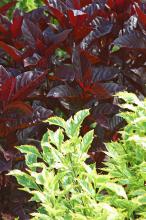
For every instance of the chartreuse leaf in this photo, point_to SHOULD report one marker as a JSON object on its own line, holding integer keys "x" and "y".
{"x": 115, "y": 48}
{"x": 28, "y": 149}
{"x": 142, "y": 199}
{"x": 57, "y": 137}
{"x": 142, "y": 170}
{"x": 109, "y": 212}
{"x": 24, "y": 179}
{"x": 130, "y": 98}
{"x": 30, "y": 160}
{"x": 80, "y": 116}
{"x": 101, "y": 180}
{"x": 118, "y": 189}
{"x": 87, "y": 141}
{"x": 38, "y": 196}
{"x": 45, "y": 139}
{"x": 72, "y": 127}
{"x": 40, "y": 216}
{"x": 56, "y": 121}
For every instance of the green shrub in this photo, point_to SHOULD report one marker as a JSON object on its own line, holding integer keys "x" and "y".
{"x": 25, "y": 5}
{"x": 67, "y": 188}
{"x": 28, "y": 5}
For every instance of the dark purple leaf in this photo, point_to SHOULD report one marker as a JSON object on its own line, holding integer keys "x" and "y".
{"x": 115, "y": 123}
{"x": 27, "y": 82}
{"x": 77, "y": 17}
{"x": 13, "y": 52}
{"x": 76, "y": 61}
{"x": 7, "y": 90}
{"x": 31, "y": 32}
{"x": 5, "y": 165}
{"x": 37, "y": 15}
{"x": 65, "y": 73}
{"x": 62, "y": 91}
{"x": 105, "y": 73}
{"x": 113, "y": 87}
{"x": 32, "y": 61}
{"x": 4, "y": 75}
{"x": 131, "y": 40}
{"x": 16, "y": 24}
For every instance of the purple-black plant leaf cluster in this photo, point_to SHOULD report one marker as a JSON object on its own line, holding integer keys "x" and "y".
{"x": 63, "y": 57}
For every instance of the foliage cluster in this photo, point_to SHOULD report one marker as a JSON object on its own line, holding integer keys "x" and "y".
{"x": 60, "y": 58}
{"x": 28, "y": 5}
{"x": 65, "y": 187}
{"x": 24, "y": 5}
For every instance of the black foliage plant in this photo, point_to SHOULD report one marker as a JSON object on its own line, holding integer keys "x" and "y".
{"x": 61, "y": 58}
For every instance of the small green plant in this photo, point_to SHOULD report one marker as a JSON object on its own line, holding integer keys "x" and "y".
{"x": 25, "y": 5}
{"x": 66, "y": 188}
{"x": 28, "y": 5}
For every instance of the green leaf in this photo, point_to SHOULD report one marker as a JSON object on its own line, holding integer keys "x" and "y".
{"x": 139, "y": 140}
{"x": 93, "y": 125}
{"x": 30, "y": 160}
{"x": 80, "y": 116}
{"x": 78, "y": 216}
{"x": 39, "y": 196}
{"x": 28, "y": 149}
{"x": 24, "y": 179}
{"x": 45, "y": 138}
{"x": 57, "y": 137}
{"x": 142, "y": 199}
{"x": 40, "y": 216}
{"x": 118, "y": 189}
{"x": 128, "y": 106}
{"x": 86, "y": 141}
{"x": 87, "y": 187}
{"x": 115, "y": 48}
{"x": 107, "y": 212}
{"x": 142, "y": 170}
{"x": 56, "y": 121}
{"x": 72, "y": 126}
{"x": 129, "y": 98}
{"x": 101, "y": 179}
{"x": 39, "y": 179}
